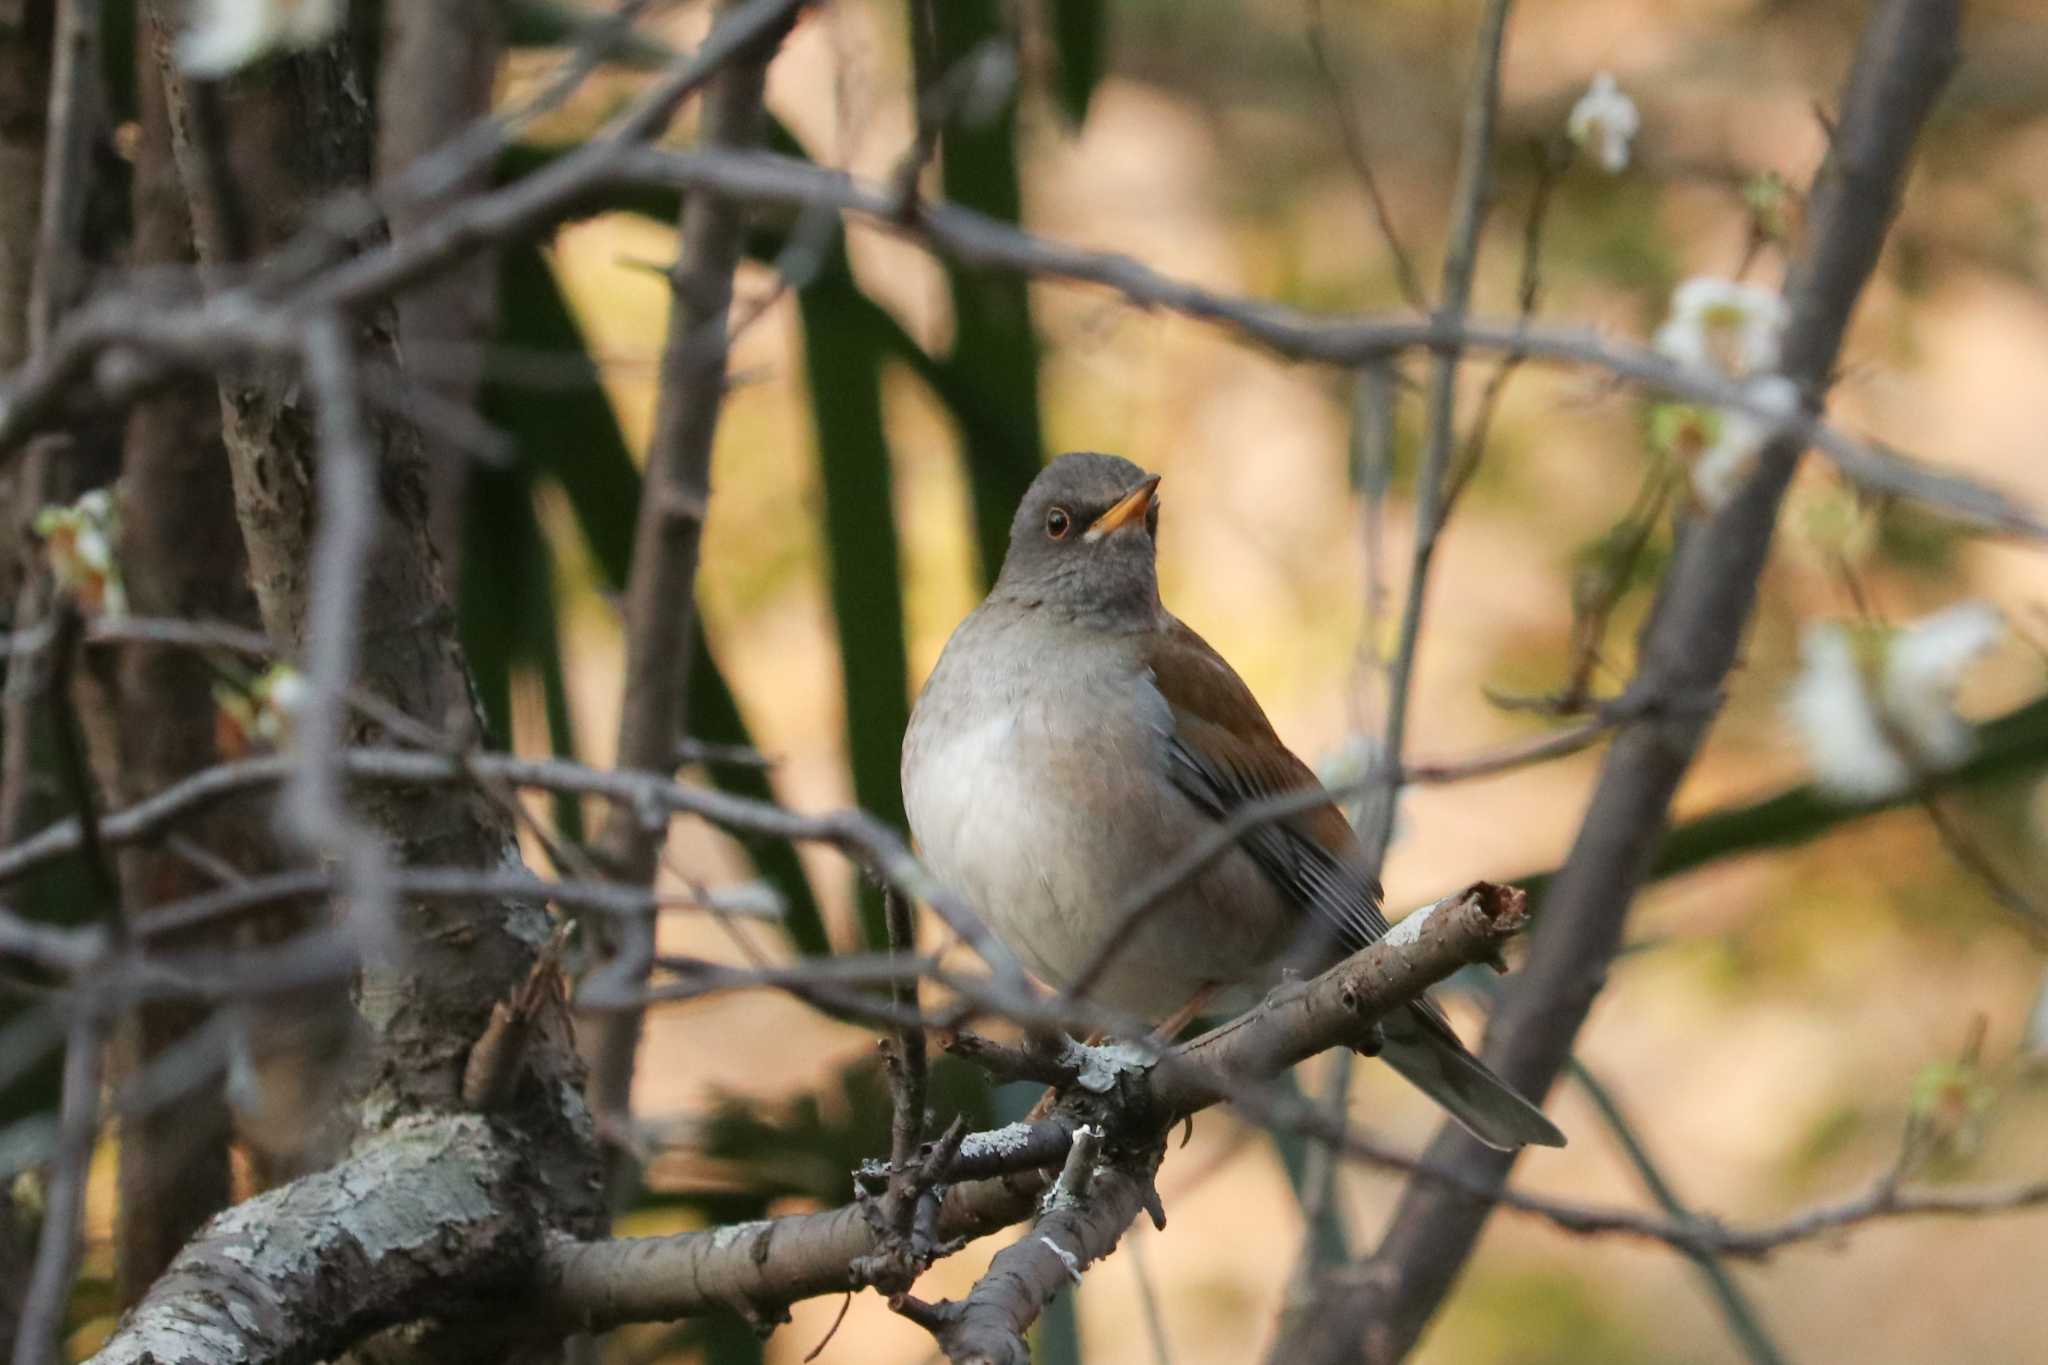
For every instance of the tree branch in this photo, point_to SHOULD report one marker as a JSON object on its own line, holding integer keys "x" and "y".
{"x": 1907, "y": 51}
{"x": 305, "y": 1271}
{"x": 1085, "y": 1215}
{"x": 661, "y": 606}
{"x": 757, "y": 1268}
{"x": 236, "y": 324}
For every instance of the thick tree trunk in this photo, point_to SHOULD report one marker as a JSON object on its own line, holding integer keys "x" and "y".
{"x": 440, "y": 60}
{"x": 257, "y": 154}
{"x": 24, "y": 95}
{"x": 182, "y": 555}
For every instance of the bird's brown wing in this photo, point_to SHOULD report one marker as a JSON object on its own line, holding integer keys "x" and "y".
{"x": 1225, "y": 754}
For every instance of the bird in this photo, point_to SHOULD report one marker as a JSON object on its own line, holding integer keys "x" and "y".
{"x": 1075, "y": 737}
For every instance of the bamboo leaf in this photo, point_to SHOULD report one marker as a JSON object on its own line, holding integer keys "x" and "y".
{"x": 994, "y": 361}
{"x": 843, "y": 361}
{"x": 551, "y": 23}
{"x": 1080, "y": 36}
{"x": 2013, "y": 745}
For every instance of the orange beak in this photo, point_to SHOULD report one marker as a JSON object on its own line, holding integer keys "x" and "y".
{"x": 1130, "y": 508}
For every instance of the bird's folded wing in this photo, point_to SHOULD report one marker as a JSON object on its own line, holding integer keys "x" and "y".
{"x": 1225, "y": 754}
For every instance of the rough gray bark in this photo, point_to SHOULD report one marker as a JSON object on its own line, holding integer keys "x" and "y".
{"x": 988, "y": 1327}
{"x": 298, "y": 130}
{"x": 454, "y": 1217}
{"x": 301, "y": 132}
{"x": 440, "y": 59}
{"x": 24, "y": 96}
{"x": 181, "y": 553}
{"x": 1688, "y": 646}
{"x": 24, "y": 103}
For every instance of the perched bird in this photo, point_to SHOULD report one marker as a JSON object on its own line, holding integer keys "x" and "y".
{"x": 1076, "y": 737}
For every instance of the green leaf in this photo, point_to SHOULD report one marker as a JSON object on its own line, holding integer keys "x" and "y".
{"x": 117, "y": 58}
{"x": 1056, "y": 1340}
{"x": 550, "y": 23}
{"x": 2013, "y": 745}
{"x": 507, "y": 615}
{"x": 713, "y": 716}
{"x": 498, "y": 536}
{"x": 1080, "y": 35}
{"x": 843, "y": 361}
{"x": 810, "y": 1146}
{"x": 994, "y": 361}
{"x": 566, "y": 430}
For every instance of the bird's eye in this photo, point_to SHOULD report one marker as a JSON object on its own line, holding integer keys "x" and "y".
{"x": 1058, "y": 523}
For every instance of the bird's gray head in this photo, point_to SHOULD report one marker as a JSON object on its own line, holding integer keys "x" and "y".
{"x": 1082, "y": 542}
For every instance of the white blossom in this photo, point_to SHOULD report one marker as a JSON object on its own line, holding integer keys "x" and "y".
{"x": 80, "y": 544}
{"x": 1719, "y": 325}
{"x": 1604, "y": 122}
{"x": 1923, "y": 671}
{"x": 1728, "y": 461}
{"x": 1877, "y": 710}
{"x": 226, "y": 35}
{"x": 262, "y": 714}
{"x": 2035, "y": 1038}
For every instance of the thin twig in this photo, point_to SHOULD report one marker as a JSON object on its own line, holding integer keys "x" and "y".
{"x": 1361, "y": 161}
{"x": 347, "y": 485}
{"x": 1691, "y": 641}
{"x": 57, "y": 1249}
{"x": 668, "y": 531}
{"x": 235, "y": 325}
{"x": 1973, "y": 858}
{"x": 1744, "y": 1322}
{"x": 907, "y": 1072}
{"x": 75, "y": 771}
{"x": 1468, "y": 216}
{"x": 1548, "y": 165}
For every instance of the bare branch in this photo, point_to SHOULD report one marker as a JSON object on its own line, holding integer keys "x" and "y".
{"x": 49, "y": 1288}
{"x": 1361, "y": 161}
{"x": 1086, "y": 1213}
{"x": 1745, "y": 1324}
{"x": 306, "y": 1270}
{"x": 1461, "y": 258}
{"x": 236, "y": 324}
{"x": 1690, "y": 642}
{"x": 661, "y": 610}
{"x": 758, "y": 1268}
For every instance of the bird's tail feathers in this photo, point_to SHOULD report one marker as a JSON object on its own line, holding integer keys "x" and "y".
{"x": 1435, "y": 1063}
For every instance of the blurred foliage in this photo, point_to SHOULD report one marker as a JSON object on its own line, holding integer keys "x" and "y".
{"x": 2013, "y": 745}
{"x": 809, "y": 1147}
{"x": 994, "y": 358}
{"x": 567, "y": 435}
{"x": 1541, "y": 1317}
{"x": 843, "y": 355}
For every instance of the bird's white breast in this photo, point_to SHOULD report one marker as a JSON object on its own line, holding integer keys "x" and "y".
{"x": 1020, "y": 803}
{"x": 1035, "y": 776}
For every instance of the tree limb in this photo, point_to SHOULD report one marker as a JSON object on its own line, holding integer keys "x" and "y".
{"x": 661, "y": 604}
{"x": 1690, "y": 642}
{"x": 305, "y": 1271}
